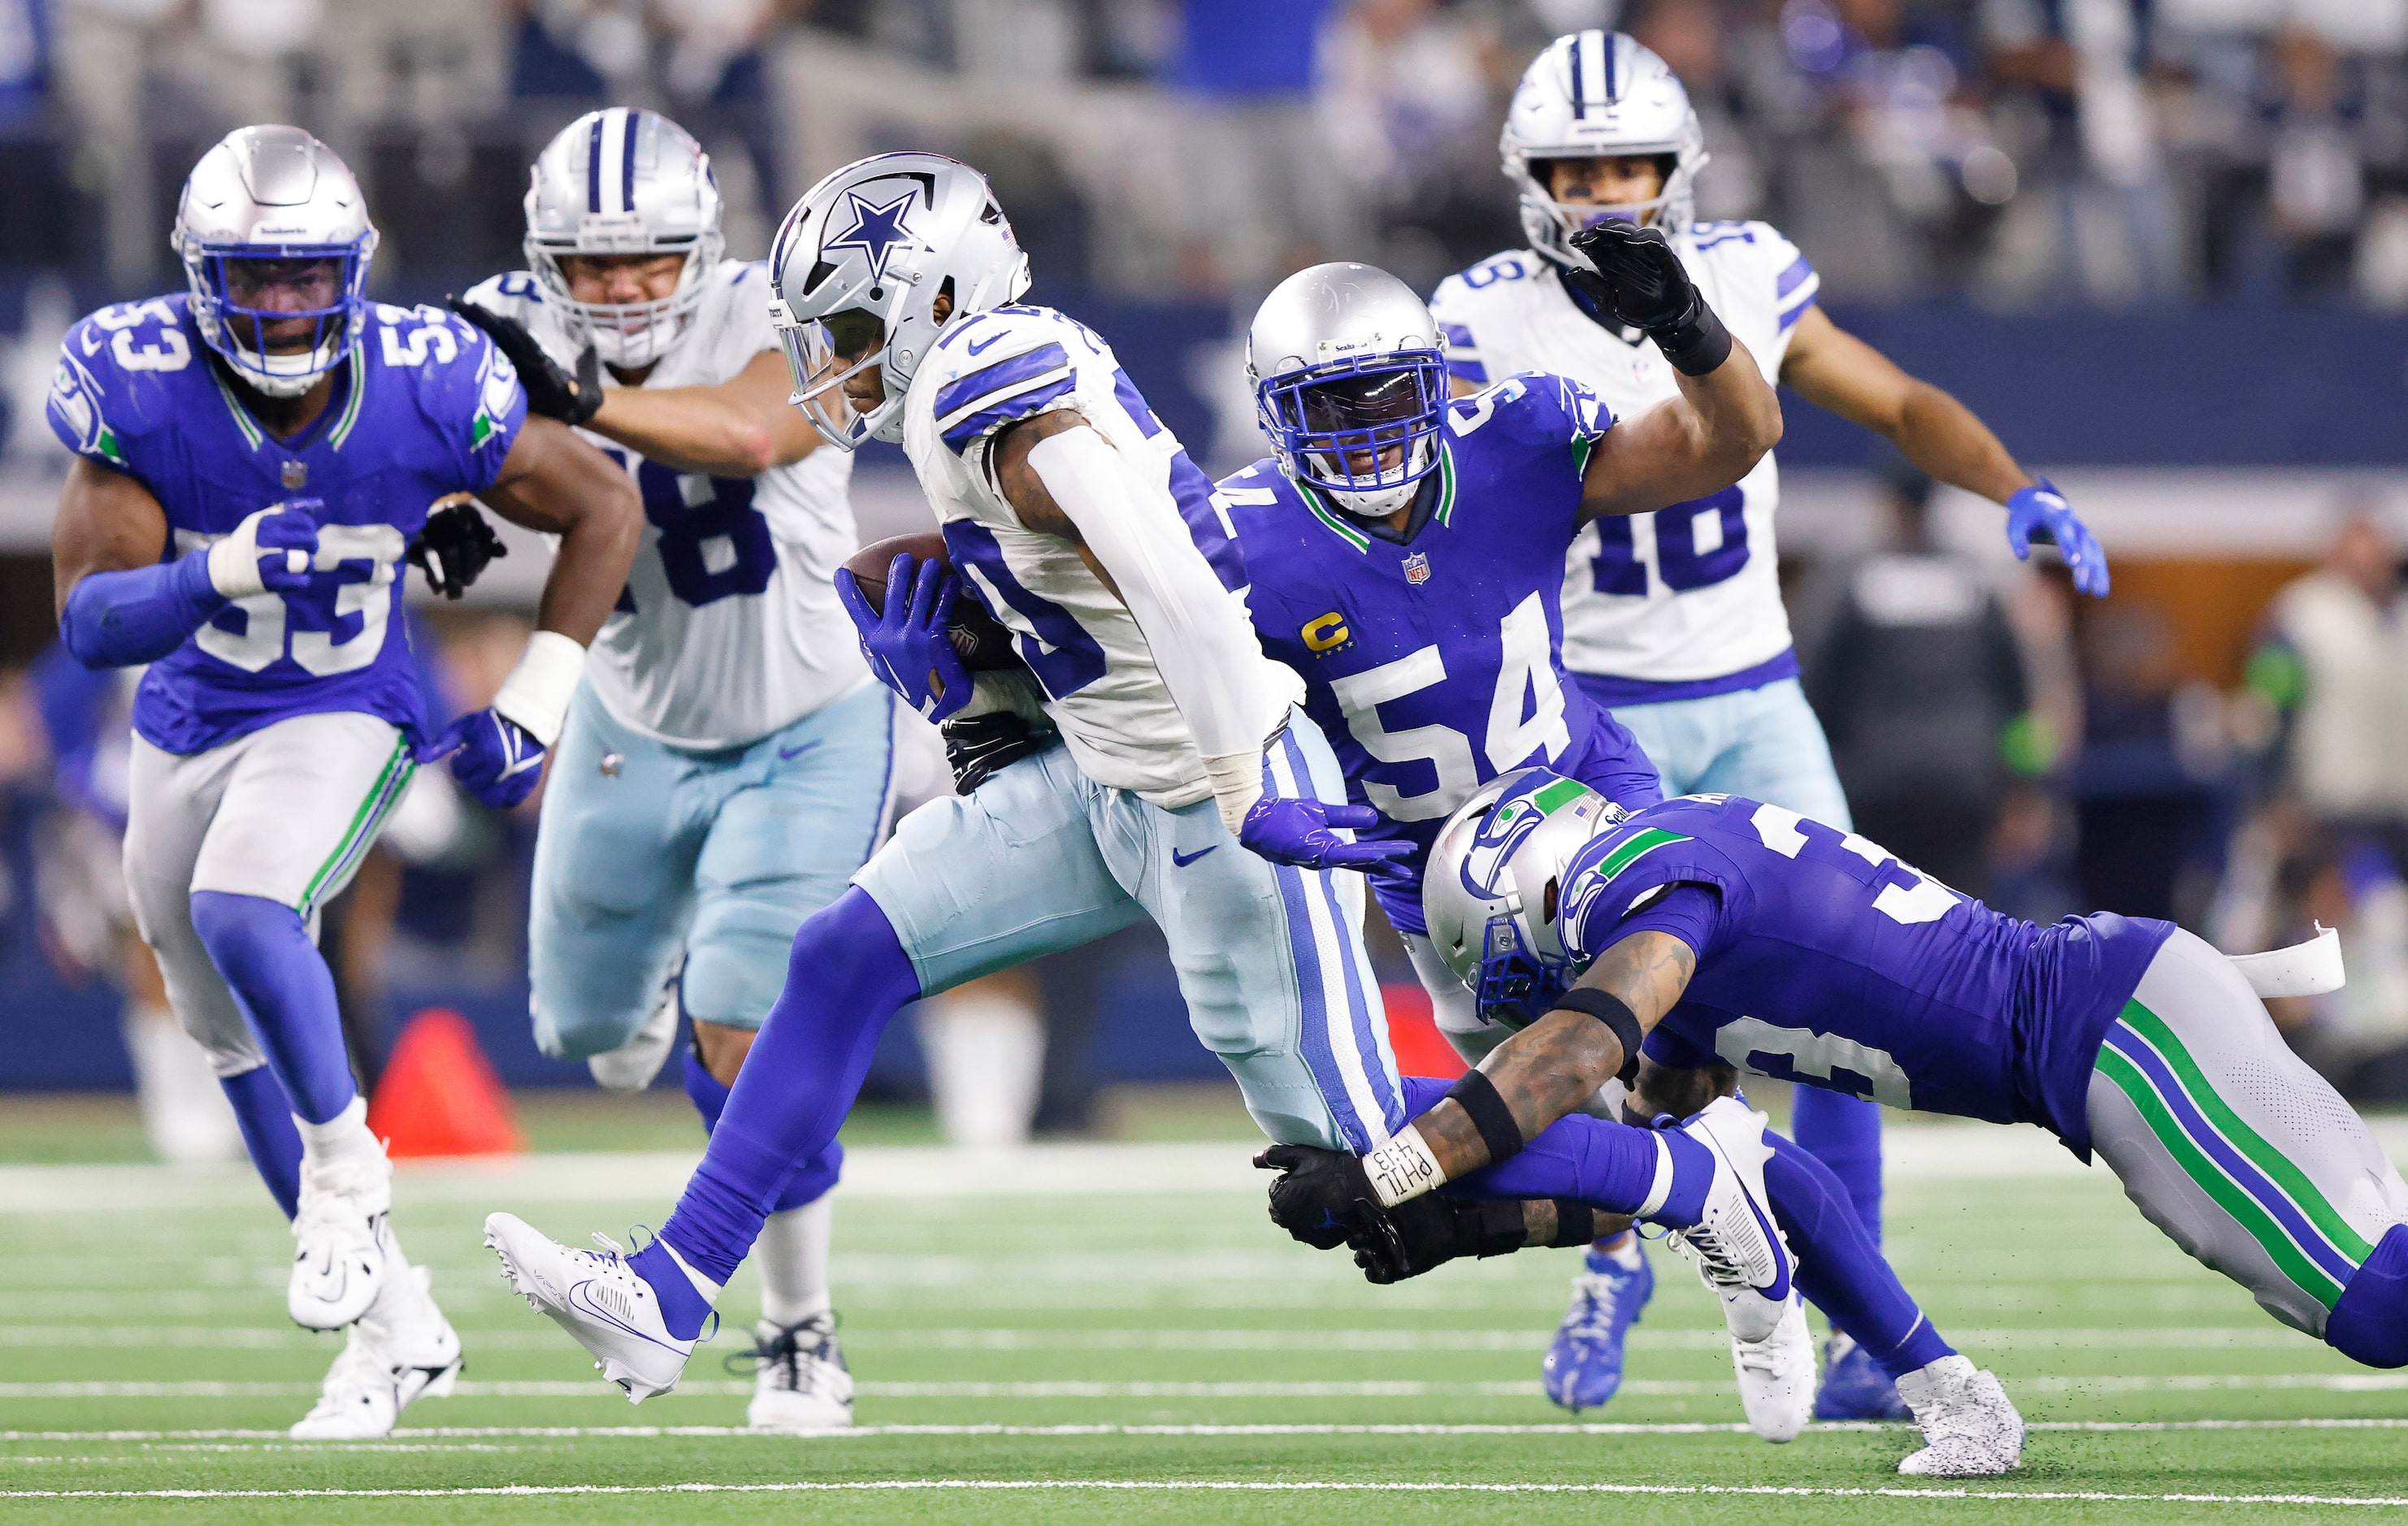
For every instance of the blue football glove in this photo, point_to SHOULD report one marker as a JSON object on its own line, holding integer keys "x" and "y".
{"x": 268, "y": 552}
{"x": 910, "y": 646}
{"x": 2041, "y": 507}
{"x": 493, "y": 756}
{"x": 1304, "y": 833}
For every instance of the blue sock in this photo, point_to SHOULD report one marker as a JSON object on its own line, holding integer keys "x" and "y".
{"x": 809, "y": 1185}
{"x": 265, "y": 1118}
{"x": 285, "y": 990}
{"x": 1840, "y": 1269}
{"x": 1606, "y": 1165}
{"x": 2369, "y": 1323}
{"x": 683, "y": 1306}
{"x": 847, "y": 977}
{"x": 1844, "y": 1134}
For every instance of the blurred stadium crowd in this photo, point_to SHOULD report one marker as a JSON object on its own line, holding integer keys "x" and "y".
{"x": 2009, "y": 155}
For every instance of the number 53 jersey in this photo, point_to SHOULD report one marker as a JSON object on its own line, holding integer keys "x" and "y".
{"x": 1829, "y": 962}
{"x": 730, "y": 628}
{"x": 422, "y": 406}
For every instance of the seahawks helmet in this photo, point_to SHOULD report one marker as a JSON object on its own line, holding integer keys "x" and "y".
{"x": 1490, "y": 894}
{"x": 881, "y": 239}
{"x": 624, "y": 182}
{"x": 259, "y": 212}
{"x": 1598, "y": 95}
{"x": 1349, "y": 368}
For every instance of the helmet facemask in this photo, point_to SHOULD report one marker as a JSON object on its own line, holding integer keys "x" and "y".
{"x": 630, "y": 335}
{"x": 280, "y": 351}
{"x": 1364, "y": 430}
{"x": 822, "y": 355}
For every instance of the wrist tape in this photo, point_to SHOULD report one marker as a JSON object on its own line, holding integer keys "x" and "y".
{"x": 1477, "y": 1094}
{"x": 1575, "y": 1223}
{"x": 1497, "y": 1228}
{"x": 1402, "y": 1169}
{"x": 1696, "y": 342}
{"x": 535, "y": 697}
{"x": 1615, "y": 1014}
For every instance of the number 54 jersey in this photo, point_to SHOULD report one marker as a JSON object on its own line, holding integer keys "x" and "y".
{"x": 422, "y": 406}
{"x": 729, "y": 626}
{"x": 1829, "y": 962}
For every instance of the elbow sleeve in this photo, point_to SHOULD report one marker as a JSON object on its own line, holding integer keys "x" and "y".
{"x": 123, "y": 619}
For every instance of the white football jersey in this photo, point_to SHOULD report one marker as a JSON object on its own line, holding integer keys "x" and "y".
{"x": 730, "y": 628}
{"x": 1102, "y": 686}
{"x": 1685, "y": 601}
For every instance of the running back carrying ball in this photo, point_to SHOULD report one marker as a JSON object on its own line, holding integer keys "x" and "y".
{"x": 984, "y": 645}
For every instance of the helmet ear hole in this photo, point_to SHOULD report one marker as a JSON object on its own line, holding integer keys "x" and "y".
{"x": 1547, "y": 901}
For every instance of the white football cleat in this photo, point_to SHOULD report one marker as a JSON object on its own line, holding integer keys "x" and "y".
{"x": 632, "y": 1065}
{"x": 1776, "y": 1377}
{"x": 800, "y": 1381}
{"x": 598, "y": 1299}
{"x": 342, "y": 1244}
{"x": 1971, "y": 1429}
{"x": 401, "y": 1350}
{"x": 1738, "y": 1247}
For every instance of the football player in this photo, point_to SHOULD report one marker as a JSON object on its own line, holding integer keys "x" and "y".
{"x": 726, "y": 762}
{"x": 255, "y": 456}
{"x": 1674, "y": 619}
{"x": 1186, "y": 785}
{"x": 1405, "y": 556}
{"x": 1714, "y": 933}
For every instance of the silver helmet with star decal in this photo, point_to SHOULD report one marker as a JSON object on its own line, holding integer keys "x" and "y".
{"x": 624, "y": 182}
{"x": 856, "y": 272}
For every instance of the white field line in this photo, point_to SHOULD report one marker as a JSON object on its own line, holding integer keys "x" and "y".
{"x": 1084, "y": 1389}
{"x": 1189, "y": 1486}
{"x": 408, "y": 1439}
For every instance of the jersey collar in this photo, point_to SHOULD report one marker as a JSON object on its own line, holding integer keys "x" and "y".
{"x": 1434, "y": 502}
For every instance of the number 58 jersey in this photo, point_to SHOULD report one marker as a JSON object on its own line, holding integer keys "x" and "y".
{"x": 729, "y": 626}
{"x": 422, "y": 406}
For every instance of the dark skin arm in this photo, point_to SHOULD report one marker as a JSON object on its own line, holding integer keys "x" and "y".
{"x": 1832, "y": 368}
{"x": 107, "y": 522}
{"x": 555, "y": 482}
{"x": 1686, "y": 447}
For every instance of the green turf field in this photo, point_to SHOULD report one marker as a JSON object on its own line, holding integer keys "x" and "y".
{"x": 1115, "y": 1332}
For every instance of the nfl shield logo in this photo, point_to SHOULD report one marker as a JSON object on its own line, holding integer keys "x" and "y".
{"x": 297, "y": 474}
{"x": 1417, "y": 569}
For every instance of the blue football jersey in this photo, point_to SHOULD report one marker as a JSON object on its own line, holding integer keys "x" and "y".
{"x": 1833, "y": 965}
{"x": 1435, "y": 665}
{"x": 423, "y": 406}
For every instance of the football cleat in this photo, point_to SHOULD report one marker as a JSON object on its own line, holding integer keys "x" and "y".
{"x": 1854, "y": 1388}
{"x": 799, "y": 1379}
{"x": 342, "y": 1244}
{"x": 1971, "y": 1429}
{"x": 1584, "y": 1366}
{"x": 400, "y": 1351}
{"x": 1776, "y": 1377}
{"x": 598, "y": 1299}
{"x": 1738, "y": 1249}
{"x": 632, "y": 1065}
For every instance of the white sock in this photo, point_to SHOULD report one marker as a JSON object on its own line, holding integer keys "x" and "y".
{"x": 793, "y": 1256}
{"x": 703, "y": 1285}
{"x": 342, "y": 1137}
{"x": 985, "y": 1049}
{"x": 1625, "y": 1252}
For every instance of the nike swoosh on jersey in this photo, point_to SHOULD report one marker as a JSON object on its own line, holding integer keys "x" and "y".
{"x": 979, "y": 347}
{"x": 1181, "y": 860}
{"x": 787, "y": 754}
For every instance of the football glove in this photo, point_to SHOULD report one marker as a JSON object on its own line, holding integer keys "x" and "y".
{"x": 551, "y": 391}
{"x": 1305, "y": 834}
{"x": 2041, "y": 512}
{"x": 493, "y": 756}
{"x": 454, "y": 546}
{"x": 1422, "y": 1234}
{"x": 268, "y": 552}
{"x": 1639, "y": 282}
{"x": 910, "y": 646}
{"x": 979, "y": 746}
{"x": 1320, "y": 1196}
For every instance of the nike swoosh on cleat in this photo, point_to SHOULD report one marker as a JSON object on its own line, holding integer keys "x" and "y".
{"x": 592, "y": 1311}
{"x": 1181, "y": 860}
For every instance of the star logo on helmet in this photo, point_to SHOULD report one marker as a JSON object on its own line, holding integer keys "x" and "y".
{"x": 877, "y": 229}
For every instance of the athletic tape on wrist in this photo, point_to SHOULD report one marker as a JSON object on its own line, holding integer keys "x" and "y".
{"x": 1402, "y": 1169}
{"x": 1575, "y": 1224}
{"x": 535, "y": 697}
{"x": 1615, "y": 1014}
{"x": 1696, "y": 344}
{"x": 1499, "y": 1227}
{"x": 1477, "y": 1094}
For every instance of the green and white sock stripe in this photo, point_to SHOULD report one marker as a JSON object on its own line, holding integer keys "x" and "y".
{"x": 381, "y": 797}
{"x": 2263, "y": 1189}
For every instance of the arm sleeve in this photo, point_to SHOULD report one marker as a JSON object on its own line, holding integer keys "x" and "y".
{"x": 1206, "y": 651}
{"x": 121, "y": 618}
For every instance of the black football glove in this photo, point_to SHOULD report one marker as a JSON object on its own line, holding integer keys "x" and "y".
{"x": 1639, "y": 282}
{"x": 552, "y": 392}
{"x": 979, "y": 746}
{"x": 454, "y": 548}
{"x": 1321, "y": 1196}
{"x": 1422, "y": 1234}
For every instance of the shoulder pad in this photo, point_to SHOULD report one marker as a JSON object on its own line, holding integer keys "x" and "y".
{"x": 511, "y": 293}
{"x": 421, "y": 338}
{"x": 1009, "y": 363}
{"x": 110, "y": 385}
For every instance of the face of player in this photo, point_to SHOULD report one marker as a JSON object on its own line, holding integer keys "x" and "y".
{"x": 854, "y": 335}
{"x": 309, "y": 286}
{"x": 1624, "y": 181}
{"x": 620, "y": 281}
{"x": 1383, "y": 404}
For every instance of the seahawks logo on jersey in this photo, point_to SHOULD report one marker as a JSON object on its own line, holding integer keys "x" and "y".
{"x": 74, "y": 398}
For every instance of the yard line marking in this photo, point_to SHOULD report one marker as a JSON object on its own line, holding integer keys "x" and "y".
{"x": 1185, "y": 1486}
{"x": 1558, "y": 1428}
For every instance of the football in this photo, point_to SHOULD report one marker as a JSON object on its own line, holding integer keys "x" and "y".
{"x": 983, "y": 643}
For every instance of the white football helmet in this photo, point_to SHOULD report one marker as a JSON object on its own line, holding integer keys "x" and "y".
{"x": 624, "y": 182}
{"x": 274, "y": 194}
{"x": 1595, "y": 95}
{"x": 1494, "y": 876}
{"x": 883, "y": 237}
{"x": 1347, "y": 362}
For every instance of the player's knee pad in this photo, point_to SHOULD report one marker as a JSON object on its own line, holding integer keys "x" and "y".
{"x": 2369, "y": 1323}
